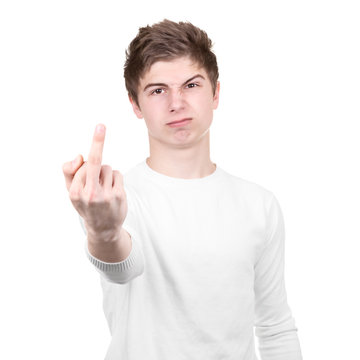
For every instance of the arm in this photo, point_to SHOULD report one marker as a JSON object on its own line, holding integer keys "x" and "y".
{"x": 97, "y": 193}
{"x": 130, "y": 265}
{"x": 274, "y": 324}
{"x": 114, "y": 249}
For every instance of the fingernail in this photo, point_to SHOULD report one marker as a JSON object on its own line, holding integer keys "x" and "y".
{"x": 100, "y": 128}
{"x": 74, "y": 162}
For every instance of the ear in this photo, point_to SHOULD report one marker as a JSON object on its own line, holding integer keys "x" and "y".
{"x": 216, "y": 96}
{"x": 136, "y": 108}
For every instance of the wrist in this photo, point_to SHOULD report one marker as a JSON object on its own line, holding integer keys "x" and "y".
{"x": 103, "y": 237}
{"x": 110, "y": 248}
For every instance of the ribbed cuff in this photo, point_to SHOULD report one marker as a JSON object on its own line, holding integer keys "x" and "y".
{"x": 123, "y": 271}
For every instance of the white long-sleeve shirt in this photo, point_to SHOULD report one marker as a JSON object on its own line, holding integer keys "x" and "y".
{"x": 205, "y": 270}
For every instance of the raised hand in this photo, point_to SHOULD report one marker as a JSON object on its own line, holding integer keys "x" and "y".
{"x": 97, "y": 192}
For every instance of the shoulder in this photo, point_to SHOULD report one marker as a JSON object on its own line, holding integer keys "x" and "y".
{"x": 246, "y": 188}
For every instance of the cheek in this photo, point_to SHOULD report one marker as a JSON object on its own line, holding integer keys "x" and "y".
{"x": 154, "y": 105}
{"x": 206, "y": 105}
{"x": 148, "y": 109}
{"x": 153, "y": 112}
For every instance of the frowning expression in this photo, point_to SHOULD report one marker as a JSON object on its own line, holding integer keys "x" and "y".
{"x": 172, "y": 91}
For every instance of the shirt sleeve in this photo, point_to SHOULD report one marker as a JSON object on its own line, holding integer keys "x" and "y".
{"x": 124, "y": 271}
{"x": 274, "y": 324}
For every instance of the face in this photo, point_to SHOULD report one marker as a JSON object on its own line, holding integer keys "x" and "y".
{"x": 172, "y": 91}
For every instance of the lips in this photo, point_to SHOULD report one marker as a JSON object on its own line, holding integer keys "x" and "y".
{"x": 178, "y": 121}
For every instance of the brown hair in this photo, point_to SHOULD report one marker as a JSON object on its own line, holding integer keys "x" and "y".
{"x": 167, "y": 40}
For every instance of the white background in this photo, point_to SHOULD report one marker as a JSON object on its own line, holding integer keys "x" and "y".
{"x": 288, "y": 120}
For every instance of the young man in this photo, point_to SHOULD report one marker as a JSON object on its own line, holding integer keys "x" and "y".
{"x": 191, "y": 257}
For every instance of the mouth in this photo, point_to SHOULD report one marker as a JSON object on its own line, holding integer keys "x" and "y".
{"x": 179, "y": 122}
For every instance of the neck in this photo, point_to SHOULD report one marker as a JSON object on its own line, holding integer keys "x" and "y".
{"x": 182, "y": 162}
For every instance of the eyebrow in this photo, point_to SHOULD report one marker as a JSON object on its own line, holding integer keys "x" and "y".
{"x": 165, "y": 85}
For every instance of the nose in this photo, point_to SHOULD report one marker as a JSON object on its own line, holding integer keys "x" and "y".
{"x": 176, "y": 101}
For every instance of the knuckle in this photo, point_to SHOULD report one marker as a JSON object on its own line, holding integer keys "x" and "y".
{"x": 65, "y": 168}
{"x": 91, "y": 195}
{"x": 94, "y": 159}
{"x": 119, "y": 194}
{"x": 117, "y": 174}
{"x": 108, "y": 197}
{"x": 74, "y": 193}
{"x": 106, "y": 167}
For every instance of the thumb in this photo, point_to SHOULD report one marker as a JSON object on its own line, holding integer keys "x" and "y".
{"x": 75, "y": 162}
{"x": 70, "y": 168}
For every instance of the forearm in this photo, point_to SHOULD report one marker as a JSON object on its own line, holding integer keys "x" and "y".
{"x": 128, "y": 267}
{"x": 279, "y": 341}
{"x": 123, "y": 271}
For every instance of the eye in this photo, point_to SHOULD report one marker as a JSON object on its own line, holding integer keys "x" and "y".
{"x": 157, "y": 91}
{"x": 192, "y": 85}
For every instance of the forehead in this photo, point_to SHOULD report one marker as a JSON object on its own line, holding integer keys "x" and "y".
{"x": 172, "y": 72}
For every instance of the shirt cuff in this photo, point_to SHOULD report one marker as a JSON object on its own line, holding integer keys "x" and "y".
{"x": 123, "y": 271}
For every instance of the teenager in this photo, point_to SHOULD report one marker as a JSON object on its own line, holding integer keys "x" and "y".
{"x": 191, "y": 257}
